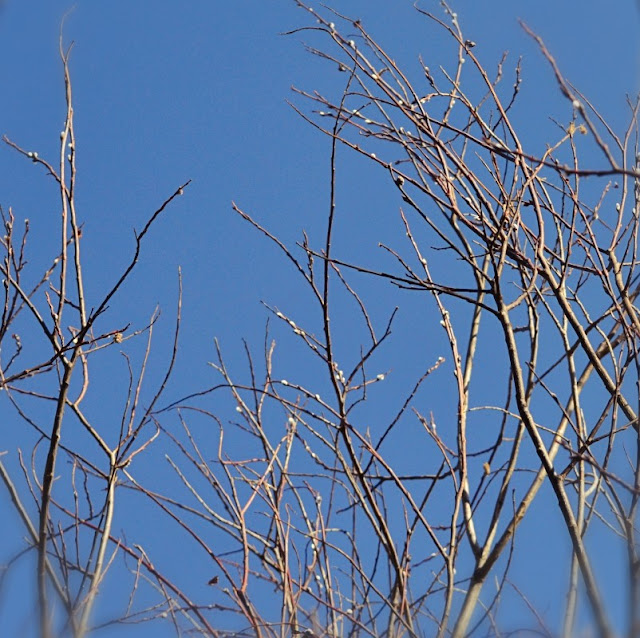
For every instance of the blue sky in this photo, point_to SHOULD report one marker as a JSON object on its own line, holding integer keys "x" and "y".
{"x": 173, "y": 91}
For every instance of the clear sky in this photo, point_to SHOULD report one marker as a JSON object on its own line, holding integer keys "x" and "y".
{"x": 168, "y": 91}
